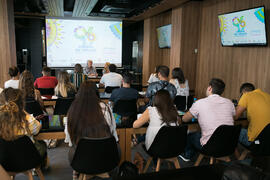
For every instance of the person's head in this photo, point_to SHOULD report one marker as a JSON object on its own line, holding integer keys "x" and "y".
{"x": 78, "y": 68}
{"x": 112, "y": 68}
{"x": 165, "y": 106}
{"x": 163, "y": 72}
{"x": 127, "y": 79}
{"x": 12, "y": 115}
{"x": 85, "y": 117}
{"x": 178, "y": 74}
{"x": 26, "y": 84}
{"x": 46, "y": 71}
{"x": 216, "y": 86}
{"x": 13, "y": 72}
{"x": 89, "y": 63}
{"x": 246, "y": 87}
{"x": 64, "y": 84}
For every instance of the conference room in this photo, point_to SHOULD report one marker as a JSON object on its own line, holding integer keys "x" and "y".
{"x": 124, "y": 89}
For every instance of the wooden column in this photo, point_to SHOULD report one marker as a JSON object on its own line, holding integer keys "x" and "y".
{"x": 7, "y": 39}
{"x": 146, "y": 50}
{"x": 176, "y": 38}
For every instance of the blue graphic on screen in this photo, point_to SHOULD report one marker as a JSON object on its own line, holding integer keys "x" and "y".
{"x": 164, "y": 36}
{"x": 243, "y": 28}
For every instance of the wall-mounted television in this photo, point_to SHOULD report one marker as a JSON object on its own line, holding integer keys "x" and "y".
{"x": 243, "y": 28}
{"x": 164, "y": 36}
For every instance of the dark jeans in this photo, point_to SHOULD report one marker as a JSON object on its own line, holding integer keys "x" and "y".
{"x": 243, "y": 138}
{"x": 193, "y": 145}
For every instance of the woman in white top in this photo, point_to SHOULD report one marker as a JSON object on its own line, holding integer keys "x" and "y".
{"x": 14, "y": 81}
{"x": 163, "y": 113}
{"x": 180, "y": 83}
{"x": 153, "y": 77}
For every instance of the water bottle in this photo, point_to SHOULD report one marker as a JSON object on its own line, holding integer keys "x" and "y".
{"x": 193, "y": 119}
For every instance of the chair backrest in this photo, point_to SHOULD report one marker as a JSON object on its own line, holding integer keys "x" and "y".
{"x": 190, "y": 101}
{"x": 33, "y": 107}
{"x": 95, "y": 156}
{"x": 169, "y": 142}
{"x": 125, "y": 107}
{"x": 180, "y": 102}
{"x": 109, "y": 89}
{"x": 263, "y": 148}
{"x": 223, "y": 141}
{"x": 46, "y": 91}
{"x": 19, "y": 155}
{"x": 62, "y": 105}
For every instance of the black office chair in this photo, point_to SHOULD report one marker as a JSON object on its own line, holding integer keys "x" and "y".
{"x": 95, "y": 156}
{"x": 127, "y": 109}
{"x": 62, "y": 106}
{"x": 181, "y": 103}
{"x": 261, "y": 147}
{"x": 169, "y": 142}
{"x": 21, "y": 155}
{"x": 33, "y": 107}
{"x": 221, "y": 144}
{"x": 109, "y": 89}
{"x": 46, "y": 91}
{"x": 190, "y": 101}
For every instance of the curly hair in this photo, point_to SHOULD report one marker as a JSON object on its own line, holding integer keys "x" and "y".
{"x": 12, "y": 116}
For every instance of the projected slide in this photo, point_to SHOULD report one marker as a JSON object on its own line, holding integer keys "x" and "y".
{"x": 243, "y": 27}
{"x": 75, "y": 41}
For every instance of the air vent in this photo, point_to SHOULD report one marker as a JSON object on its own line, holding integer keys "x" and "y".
{"x": 111, "y": 9}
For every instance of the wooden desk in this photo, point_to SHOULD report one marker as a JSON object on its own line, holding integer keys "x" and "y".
{"x": 51, "y": 102}
{"x": 96, "y": 80}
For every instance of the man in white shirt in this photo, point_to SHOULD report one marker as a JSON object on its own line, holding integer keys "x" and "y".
{"x": 112, "y": 78}
{"x": 14, "y": 81}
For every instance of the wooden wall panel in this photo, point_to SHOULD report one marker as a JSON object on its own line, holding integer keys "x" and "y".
{"x": 152, "y": 54}
{"x": 176, "y": 37}
{"x": 7, "y": 39}
{"x": 190, "y": 29}
{"x": 235, "y": 65}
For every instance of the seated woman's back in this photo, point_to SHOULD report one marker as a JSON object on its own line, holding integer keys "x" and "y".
{"x": 64, "y": 87}
{"x": 14, "y": 121}
{"x": 89, "y": 117}
{"x": 163, "y": 113}
{"x": 180, "y": 83}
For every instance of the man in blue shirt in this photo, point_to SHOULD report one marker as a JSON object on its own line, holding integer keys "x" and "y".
{"x": 125, "y": 92}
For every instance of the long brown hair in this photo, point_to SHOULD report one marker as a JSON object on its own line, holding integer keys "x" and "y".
{"x": 12, "y": 115}
{"x": 165, "y": 106}
{"x": 85, "y": 116}
{"x": 64, "y": 85}
{"x": 26, "y": 84}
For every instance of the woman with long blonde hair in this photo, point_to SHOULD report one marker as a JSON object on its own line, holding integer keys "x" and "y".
{"x": 64, "y": 87}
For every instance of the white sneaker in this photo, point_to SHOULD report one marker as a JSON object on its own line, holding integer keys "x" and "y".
{"x": 184, "y": 159}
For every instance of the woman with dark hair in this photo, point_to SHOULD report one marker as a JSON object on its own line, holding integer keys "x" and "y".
{"x": 14, "y": 75}
{"x": 64, "y": 87}
{"x": 26, "y": 84}
{"x": 77, "y": 78}
{"x": 180, "y": 83}
{"x": 162, "y": 113}
{"x": 153, "y": 77}
{"x": 89, "y": 117}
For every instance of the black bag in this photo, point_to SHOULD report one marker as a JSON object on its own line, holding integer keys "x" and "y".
{"x": 127, "y": 169}
{"x": 238, "y": 171}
